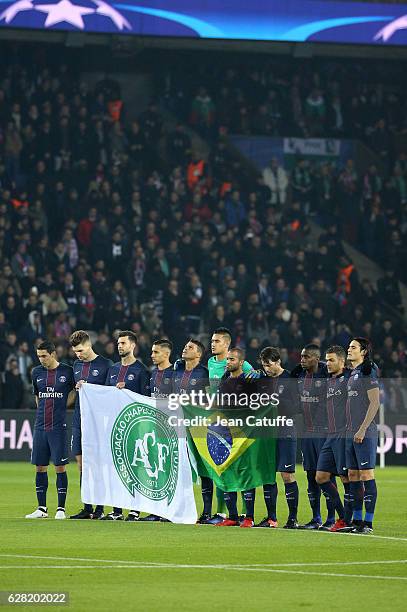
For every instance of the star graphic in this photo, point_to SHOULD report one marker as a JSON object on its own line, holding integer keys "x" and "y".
{"x": 388, "y": 31}
{"x": 108, "y": 11}
{"x": 13, "y": 10}
{"x": 64, "y": 11}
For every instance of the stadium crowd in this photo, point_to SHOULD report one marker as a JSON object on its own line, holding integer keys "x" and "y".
{"x": 98, "y": 232}
{"x": 312, "y": 98}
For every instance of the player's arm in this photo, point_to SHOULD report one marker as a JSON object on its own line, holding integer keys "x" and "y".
{"x": 71, "y": 399}
{"x": 35, "y": 389}
{"x": 374, "y": 403}
{"x": 144, "y": 383}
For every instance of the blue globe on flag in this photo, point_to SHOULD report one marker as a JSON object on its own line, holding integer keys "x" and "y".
{"x": 219, "y": 441}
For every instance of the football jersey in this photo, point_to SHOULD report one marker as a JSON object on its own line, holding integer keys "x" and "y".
{"x": 312, "y": 397}
{"x": 94, "y": 372}
{"x": 336, "y": 399}
{"x": 285, "y": 387}
{"x": 358, "y": 401}
{"x": 185, "y": 381}
{"x": 217, "y": 367}
{"x": 52, "y": 388}
{"x": 161, "y": 382}
{"x": 135, "y": 376}
{"x": 232, "y": 387}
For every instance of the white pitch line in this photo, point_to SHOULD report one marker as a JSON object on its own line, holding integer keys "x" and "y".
{"x": 328, "y": 563}
{"x": 212, "y": 566}
{"x": 65, "y": 558}
{"x": 205, "y": 567}
{"x": 361, "y": 535}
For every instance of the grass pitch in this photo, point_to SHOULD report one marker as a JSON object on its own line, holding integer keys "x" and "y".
{"x": 160, "y": 566}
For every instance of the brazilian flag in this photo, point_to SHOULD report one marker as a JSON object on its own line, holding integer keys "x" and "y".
{"x": 237, "y": 456}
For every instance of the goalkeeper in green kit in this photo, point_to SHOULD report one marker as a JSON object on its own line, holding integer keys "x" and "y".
{"x": 220, "y": 343}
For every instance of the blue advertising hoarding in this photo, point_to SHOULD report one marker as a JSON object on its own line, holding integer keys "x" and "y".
{"x": 264, "y": 20}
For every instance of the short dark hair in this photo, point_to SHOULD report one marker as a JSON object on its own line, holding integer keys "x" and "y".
{"x": 239, "y": 351}
{"x": 223, "y": 331}
{"x": 127, "y": 333}
{"x": 46, "y": 345}
{"x": 199, "y": 344}
{"x": 337, "y": 350}
{"x": 313, "y": 348}
{"x": 164, "y": 343}
{"x": 270, "y": 353}
{"x": 78, "y": 337}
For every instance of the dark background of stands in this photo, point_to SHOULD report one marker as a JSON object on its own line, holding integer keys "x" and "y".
{"x": 144, "y": 216}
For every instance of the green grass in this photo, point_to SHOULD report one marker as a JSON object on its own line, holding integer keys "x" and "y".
{"x": 258, "y": 580}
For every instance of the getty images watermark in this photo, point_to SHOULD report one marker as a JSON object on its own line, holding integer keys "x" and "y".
{"x": 212, "y": 401}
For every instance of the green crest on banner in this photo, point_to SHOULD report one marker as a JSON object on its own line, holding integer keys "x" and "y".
{"x": 145, "y": 452}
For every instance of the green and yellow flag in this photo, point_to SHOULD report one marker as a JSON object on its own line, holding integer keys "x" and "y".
{"x": 233, "y": 447}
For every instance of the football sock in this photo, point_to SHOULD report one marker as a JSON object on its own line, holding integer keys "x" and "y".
{"x": 370, "y": 501}
{"x": 356, "y": 497}
{"x": 314, "y": 495}
{"x": 244, "y": 509}
{"x": 330, "y": 505}
{"x": 117, "y": 510}
{"x": 270, "y": 499}
{"x": 332, "y": 496}
{"x": 231, "y": 504}
{"x": 291, "y": 495}
{"x": 87, "y": 507}
{"x": 347, "y": 503}
{"x": 41, "y": 486}
{"x": 99, "y": 508}
{"x": 249, "y": 498}
{"x": 220, "y": 501}
{"x": 207, "y": 494}
{"x": 62, "y": 487}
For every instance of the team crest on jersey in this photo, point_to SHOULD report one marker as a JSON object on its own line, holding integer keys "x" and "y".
{"x": 341, "y": 379}
{"x": 166, "y": 381}
{"x": 280, "y": 389}
{"x": 62, "y": 379}
{"x": 95, "y": 372}
{"x": 318, "y": 383}
{"x": 193, "y": 381}
{"x": 130, "y": 377}
{"x": 356, "y": 376}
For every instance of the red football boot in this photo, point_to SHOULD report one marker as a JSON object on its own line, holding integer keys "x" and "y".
{"x": 227, "y": 523}
{"x": 248, "y": 522}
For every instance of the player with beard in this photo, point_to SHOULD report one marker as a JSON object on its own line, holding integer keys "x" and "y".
{"x": 274, "y": 379}
{"x": 361, "y": 433}
{"x": 331, "y": 459}
{"x": 190, "y": 375}
{"x": 128, "y": 373}
{"x": 235, "y": 382}
{"x": 161, "y": 387}
{"x": 220, "y": 343}
{"x": 311, "y": 377}
{"x": 161, "y": 375}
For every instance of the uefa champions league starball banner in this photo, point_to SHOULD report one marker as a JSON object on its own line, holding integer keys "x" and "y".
{"x": 265, "y": 20}
{"x": 132, "y": 457}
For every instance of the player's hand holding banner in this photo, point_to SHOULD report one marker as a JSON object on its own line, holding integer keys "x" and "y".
{"x": 132, "y": 457}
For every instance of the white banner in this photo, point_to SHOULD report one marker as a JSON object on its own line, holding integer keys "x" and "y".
{"x": 132, "y": 458}
{"x": 312, "y": 146}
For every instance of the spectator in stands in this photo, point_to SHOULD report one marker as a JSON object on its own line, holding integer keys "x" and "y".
{"x": 276, "y": 179}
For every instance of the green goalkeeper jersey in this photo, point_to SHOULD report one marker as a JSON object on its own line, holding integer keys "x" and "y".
{"x": 217, "y": 368}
